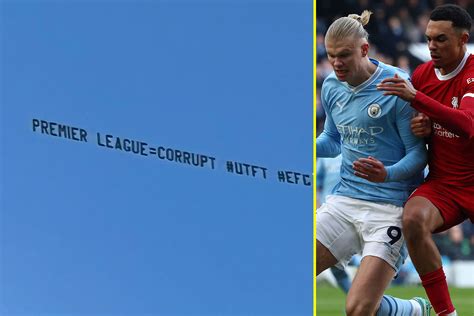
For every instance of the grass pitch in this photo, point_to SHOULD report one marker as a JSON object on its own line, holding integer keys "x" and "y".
{"x": 330, "y": 300}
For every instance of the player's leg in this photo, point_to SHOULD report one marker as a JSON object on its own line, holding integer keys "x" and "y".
{"x": 342, "y": 278}
{"x": 370, "y": 281}
{"x": 366, "y": 294}
{"x": 337, "y": 239}
{"x": 383, "y": 254}
{"x": 393, "y": 306}
{"x": 324, "y": 258}
{"x": 420, "y": 219}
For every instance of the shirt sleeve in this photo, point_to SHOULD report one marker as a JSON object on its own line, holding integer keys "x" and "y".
{"x": 415, "y": 157}
{"x": 328, "y": 143}
{"x": 459, "y": 121}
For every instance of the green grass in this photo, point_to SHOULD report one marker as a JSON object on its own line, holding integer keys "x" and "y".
{"x": 330, "y": 300}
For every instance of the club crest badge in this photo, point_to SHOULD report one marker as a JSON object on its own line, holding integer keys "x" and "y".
{"x": 374, "y": 110}
{"x": 454, "y": 102}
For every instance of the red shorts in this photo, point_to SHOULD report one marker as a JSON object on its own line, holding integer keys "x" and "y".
{"x": 454, "y": 203}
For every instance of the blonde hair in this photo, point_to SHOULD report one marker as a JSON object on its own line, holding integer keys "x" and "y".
{"x": 351, "y": 25}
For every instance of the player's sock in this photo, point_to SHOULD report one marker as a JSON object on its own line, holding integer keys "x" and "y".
{"x": 436, "y": 288}
{"x": 421, "y": 307}
{"x": 392, "y": 306}
{"x": 342, "y": 279}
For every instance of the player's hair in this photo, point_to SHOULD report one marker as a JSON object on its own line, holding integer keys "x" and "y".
{"x": 351, "y": 25}
{"x": 454, "y": 13}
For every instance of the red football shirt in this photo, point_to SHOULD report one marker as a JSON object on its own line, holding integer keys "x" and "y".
{"x": 449, "y": 101}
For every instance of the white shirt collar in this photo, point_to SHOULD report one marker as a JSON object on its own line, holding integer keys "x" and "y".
{"x": 453, "y": 73}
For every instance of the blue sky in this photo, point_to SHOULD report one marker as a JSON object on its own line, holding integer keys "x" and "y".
{"x": 90, "y": 230}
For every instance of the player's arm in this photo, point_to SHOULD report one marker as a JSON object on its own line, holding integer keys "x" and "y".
{"x": 421, "y": 125}
{"x": 328, "y": 143}
{"x": 416, "y": 155}
{"x": 459, "y": 121}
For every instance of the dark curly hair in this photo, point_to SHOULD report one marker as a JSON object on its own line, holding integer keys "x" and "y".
{"x": 454, "y": 13}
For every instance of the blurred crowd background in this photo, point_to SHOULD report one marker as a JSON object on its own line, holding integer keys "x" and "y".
{"x": 393, "y": 26}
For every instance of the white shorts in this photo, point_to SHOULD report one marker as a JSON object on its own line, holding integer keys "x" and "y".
{"x": 347, "y": 226}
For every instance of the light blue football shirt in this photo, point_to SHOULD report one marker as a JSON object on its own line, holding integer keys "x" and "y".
{"x": 362, "y": 122}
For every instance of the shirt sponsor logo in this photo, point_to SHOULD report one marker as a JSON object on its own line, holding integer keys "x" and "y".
{"x": 359, "y": 136}
{"x": 442, "y": 132}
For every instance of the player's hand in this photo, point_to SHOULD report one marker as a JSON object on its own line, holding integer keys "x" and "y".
{"x": 421, "y": 125}
{"x": 397, "y": 86}
{"x": 370, "y": 169}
